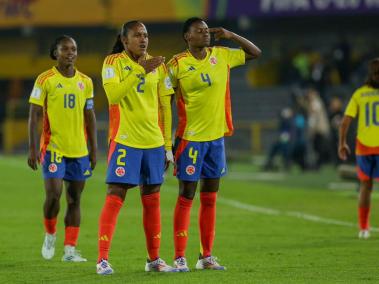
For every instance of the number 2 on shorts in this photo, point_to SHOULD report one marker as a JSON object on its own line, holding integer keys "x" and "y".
{"x": 121, "y": 155}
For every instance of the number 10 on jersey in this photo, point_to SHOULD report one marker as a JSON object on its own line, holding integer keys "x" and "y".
{"x": 372, "y": 114}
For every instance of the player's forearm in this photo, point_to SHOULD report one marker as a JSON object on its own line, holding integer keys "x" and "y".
{"x": 33, "y": 127}
{"x": 117, "y": 91}
{"x": 251, "y": 50}
{"x": 344, "y": 129}
{"x": 91, "y": 128}
{"x": 165, "y": 108}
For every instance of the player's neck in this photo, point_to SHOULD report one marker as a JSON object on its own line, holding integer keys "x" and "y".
{"x": 133, "y": 56}
{"x": 66, "y": 70}
{"x": 198, "y": 52}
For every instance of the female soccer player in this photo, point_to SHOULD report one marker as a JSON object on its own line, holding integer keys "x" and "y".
{"x": 365, "y": 104}
{"x": 65, "y": 96}
{"x": 200, "y": 76}
{"x": 136, "y": 85}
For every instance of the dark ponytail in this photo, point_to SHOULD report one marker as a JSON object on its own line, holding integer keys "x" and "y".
{"x": 118, "y": 45}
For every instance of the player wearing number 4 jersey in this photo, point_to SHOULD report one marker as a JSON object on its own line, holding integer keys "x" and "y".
{"x": 365, "y": 104}
{"x": 65, "y": 96}
{"x": 137, "y": 86}
{"x": 200, "y": 77}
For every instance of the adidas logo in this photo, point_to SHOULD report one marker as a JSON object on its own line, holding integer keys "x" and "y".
{"x": 158, "y": 236}
{"x": 104, "y": 238}
{"x": 59, "y": 86}
{"x": 127, "y": 68}
{"x": 191, "y": 68}
{"x": 87, "y": 173}
{"x": 182, "y": 234}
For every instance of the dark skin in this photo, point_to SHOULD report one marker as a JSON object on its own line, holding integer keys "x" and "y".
{"x": 66, "y": 54}
{"x": 344, "y": 151}
{"x": 198, "y": 39}
{"x": 135, "y": 44}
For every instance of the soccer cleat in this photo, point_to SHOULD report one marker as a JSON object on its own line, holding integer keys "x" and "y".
{"x": 104, "y": 268}
{"x": 209, "y": 262}
{"x": 48, "y": 247}
{"x": 364, "y": 234}
{"x": 180, "y": 263}
{"x": 72, "y": 255}
{"x": 159, "y": 265}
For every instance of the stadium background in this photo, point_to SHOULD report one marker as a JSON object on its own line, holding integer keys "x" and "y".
{"x": 323, "y": 44}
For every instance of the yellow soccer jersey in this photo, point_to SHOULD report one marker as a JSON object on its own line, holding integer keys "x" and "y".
{"x": 365, "y": 104}
{"x": 134, "y": 97}
{"x": 202, "y": 92}
{"x": 63, "y": 100}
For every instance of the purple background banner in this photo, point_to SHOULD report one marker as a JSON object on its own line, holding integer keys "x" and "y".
{"x": 270, "y": 8}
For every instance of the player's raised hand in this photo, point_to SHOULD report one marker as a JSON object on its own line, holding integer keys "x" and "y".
{"x": 343, "y": 151}
{"x": 152, "y": 63}
{"x": 220, "y": 33}
{"x": 33, "y": 159}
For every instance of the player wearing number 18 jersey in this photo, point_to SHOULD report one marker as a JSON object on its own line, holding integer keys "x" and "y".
{"x": 364, "y": 104}
{"x": 65, "y": 96}
{"x": 137, "y": 87}
{"x": 200, "y": 77}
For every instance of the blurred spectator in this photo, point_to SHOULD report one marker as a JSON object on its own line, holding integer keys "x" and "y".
{"x": 341, "y": 55}
{"x": 318, "y": 128}
{"x": 282, "y": 144}
{"x": 299, "y": 147}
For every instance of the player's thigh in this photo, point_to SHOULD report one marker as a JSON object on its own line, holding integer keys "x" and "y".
{"x": 365, "y": 167}
{"x": 214, "y": 165}
{"x": 124, "y": 165}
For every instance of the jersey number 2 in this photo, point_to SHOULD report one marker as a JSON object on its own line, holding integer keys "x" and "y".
{"x": 140, "y": 85}
{"x": 372, "y": 114}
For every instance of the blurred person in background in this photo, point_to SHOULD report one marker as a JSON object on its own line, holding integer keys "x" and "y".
{"x": 137, "y": 87}
{"x": 365, "y": 104}
{"x": 318, "y": 128}
{"x": 282, "y": 145}
{"x": 65, "y": 97}
{"x": 200, "y": 76}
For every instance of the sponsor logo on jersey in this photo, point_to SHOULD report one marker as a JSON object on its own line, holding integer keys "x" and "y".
{"x": 36, "y": 93}
{"x": 53, "y": 168}
{"x": 213, "y": 60}
{"x": 109, "y": 73}
{"x": 87, "y": 173}
{"x": 191, "y": 68}
{"x": 167, "y": 83}
{"x": 59, "y": 86}
{"x": 120, "y": 171}
{"x": 190, "y": 170}
{"x": 127, "y": 68}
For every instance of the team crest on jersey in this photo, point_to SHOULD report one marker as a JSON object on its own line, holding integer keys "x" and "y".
{"x": 120, "y": 171}
{"x": 190, "y": 170}
{"x": 213, "y": 60}
{"x": 81, "y": 86}
{"x": 53, "y": 168}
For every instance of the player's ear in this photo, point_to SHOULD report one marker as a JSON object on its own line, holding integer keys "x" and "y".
{"x": 187, "y": 37}
{"x": 55, "y": 53}
{"x": 124, "y": 40}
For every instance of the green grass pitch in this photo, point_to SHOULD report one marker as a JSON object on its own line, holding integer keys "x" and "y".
{"x": 291, "y": 230}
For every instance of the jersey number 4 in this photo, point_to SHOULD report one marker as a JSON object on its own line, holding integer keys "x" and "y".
{"x": 205, "y": 78}
{"x": 372, "y": 114}
{"x": 69, "y": 100}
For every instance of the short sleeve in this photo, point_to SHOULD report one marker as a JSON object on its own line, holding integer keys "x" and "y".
{"x": 172, "y": 67}
{"x": 89, "y": 92}
{"x": 110, "y": 72}
{"x": 235, "y": 57}
{"x": 352, "y": 107}
{"x": 38, "y": 94}
{"x": 164, "y": 84}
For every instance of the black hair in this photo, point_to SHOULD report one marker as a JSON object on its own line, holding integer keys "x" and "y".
{"x": 57, "y": 41}
{"x": 118, "y": 46}
{"x": 188, "y": 23}
{"x": 373, "y": 68}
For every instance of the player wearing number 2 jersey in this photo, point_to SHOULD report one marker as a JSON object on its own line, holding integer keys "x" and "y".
{"x": 137, "y": 87}
{"x": 365, "y": 104}
{"x": 65, "y": 96}
{"x": 200, "y": 77}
